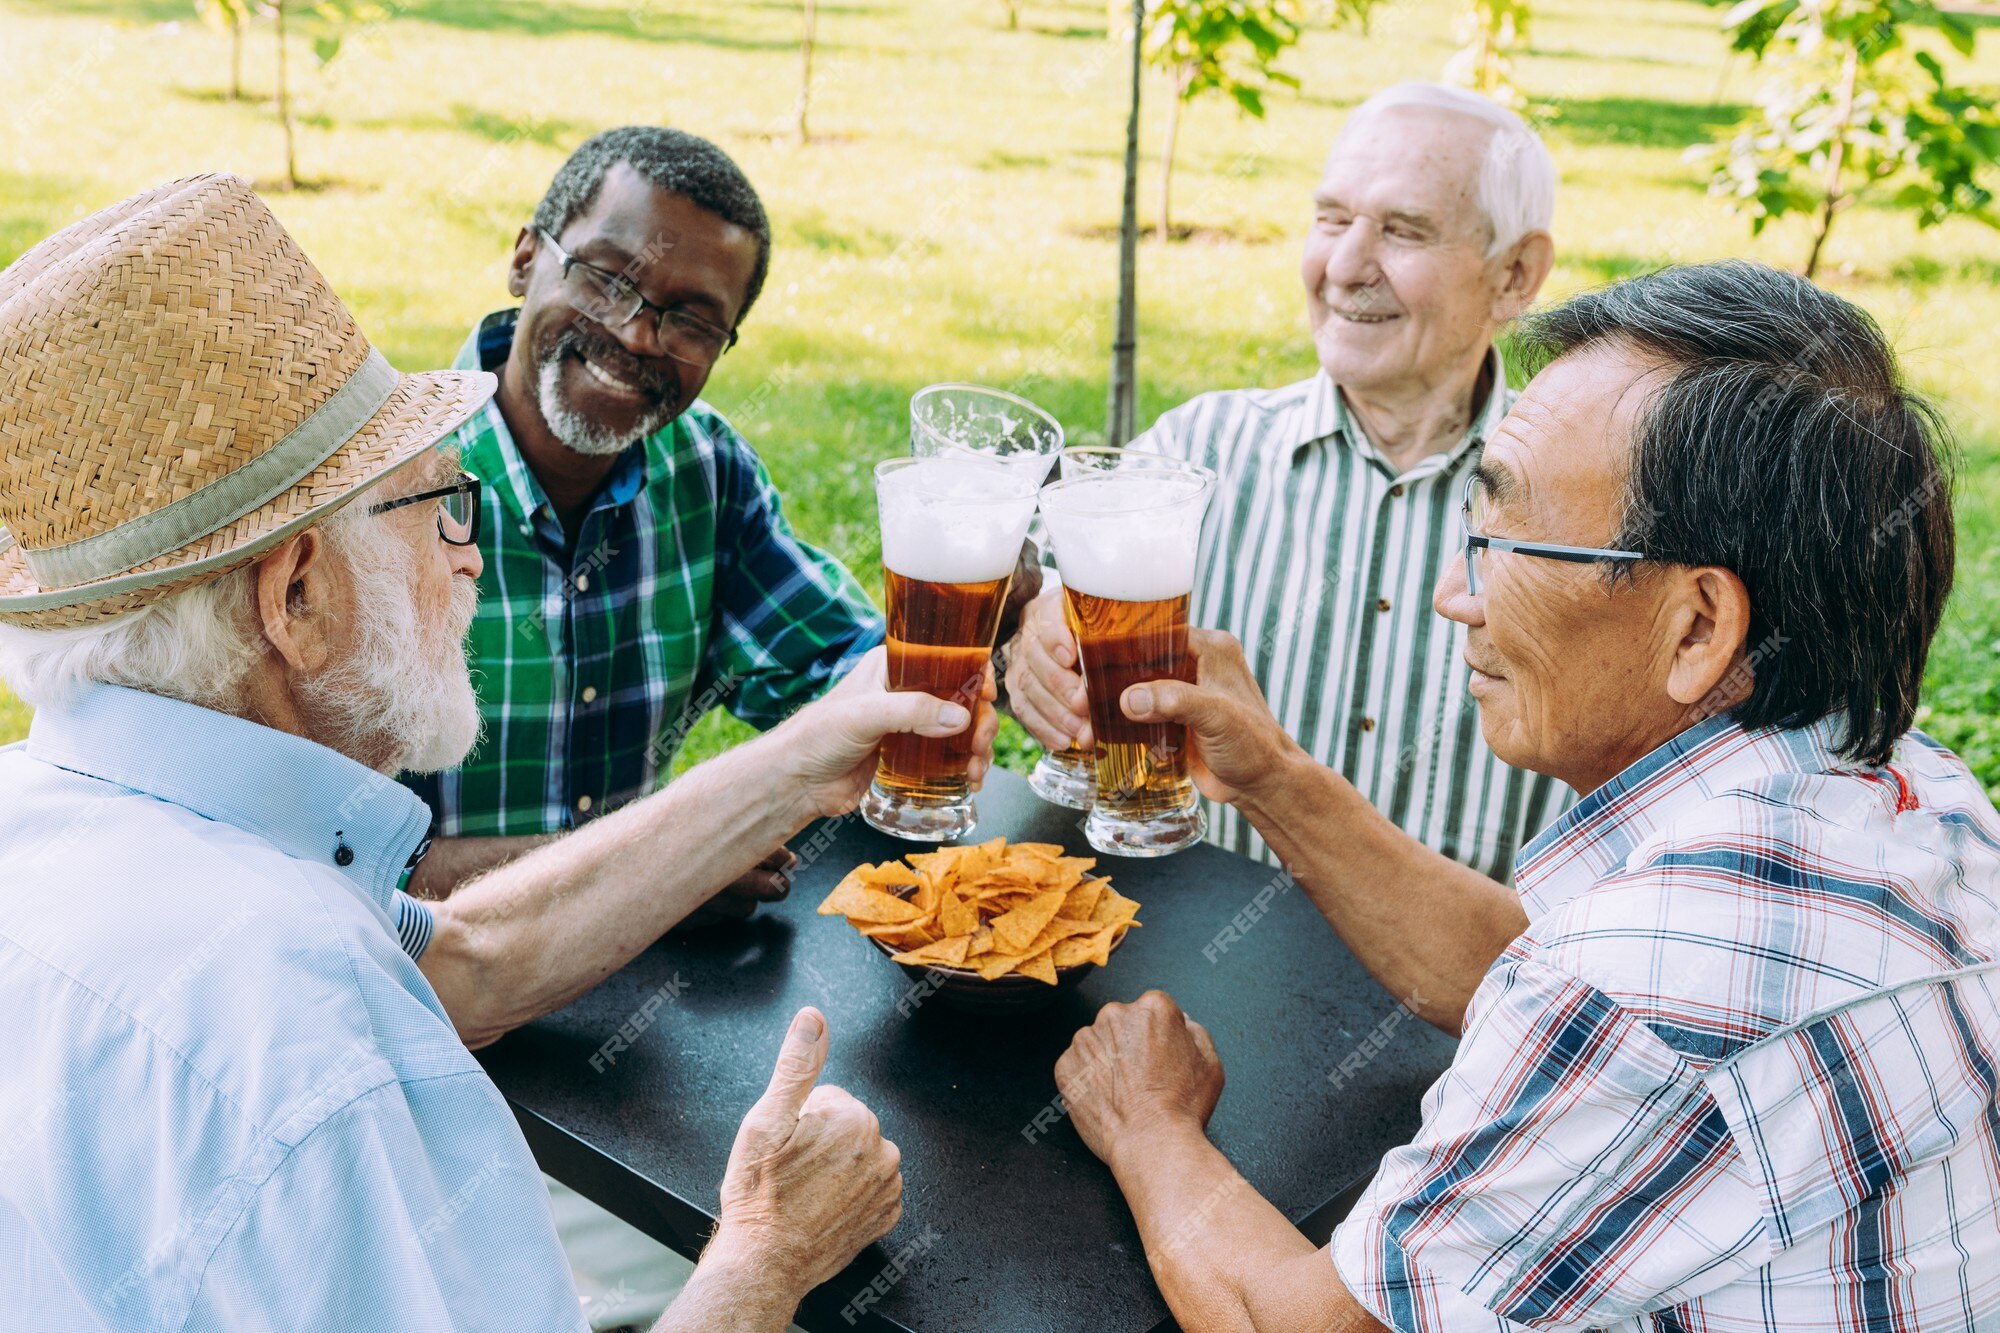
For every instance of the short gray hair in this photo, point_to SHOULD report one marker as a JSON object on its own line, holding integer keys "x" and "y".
{"x": 197, "y": 645}
{"x": 1517, "y": 178}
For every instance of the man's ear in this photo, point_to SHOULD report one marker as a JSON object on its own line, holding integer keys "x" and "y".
{"x": 295, "y": 597}
{"x": 1713, "y": 618}
{"x": 1527, "y": 268}
{"x": 523, "y": 259}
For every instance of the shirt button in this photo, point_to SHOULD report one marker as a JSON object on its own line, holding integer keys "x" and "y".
{"x": 583, "y": 805}
{"x": 1396, "y": 491}
{"x": 583, "y": 583}
{"x": 1368, "y": 724}
{"x": 1382, "y": 604}
{"x": 589, "y": 693}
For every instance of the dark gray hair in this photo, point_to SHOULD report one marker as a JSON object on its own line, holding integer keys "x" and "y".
{"x": 671, "y": 160}
{"x": 1787, "y": 448}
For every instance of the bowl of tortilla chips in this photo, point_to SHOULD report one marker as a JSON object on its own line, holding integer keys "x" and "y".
{"x": 988, "y": 926}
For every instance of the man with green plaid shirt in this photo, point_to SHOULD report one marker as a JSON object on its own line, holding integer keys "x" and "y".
{"x": 639, "y": 569}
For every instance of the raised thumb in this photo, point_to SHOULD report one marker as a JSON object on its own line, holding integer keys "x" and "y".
{"x": 800, "y": 1060}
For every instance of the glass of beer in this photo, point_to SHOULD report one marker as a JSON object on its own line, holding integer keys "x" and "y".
{"x": 952, "y": 528}
{"x": 1069, "y": 776}
{"x": 1125, "y": 544}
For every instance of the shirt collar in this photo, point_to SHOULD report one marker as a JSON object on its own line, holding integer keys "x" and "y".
{"x": 1324, "y": 415}
{"x": 1601, "y": 831}
{"x": 490, "y": 451}
{"x": 306, "y": 800}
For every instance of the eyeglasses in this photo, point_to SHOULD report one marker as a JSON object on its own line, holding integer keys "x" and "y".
{"x": 458, "y": 514}
{"x": 614, "y": 300}
{"x": 1474, "y": 508}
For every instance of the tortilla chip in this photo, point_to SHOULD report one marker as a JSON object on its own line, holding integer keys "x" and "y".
{"x": 1016, "y": 930}
{"x": 1039, "y": 967}
{"x": 944, "y": 953}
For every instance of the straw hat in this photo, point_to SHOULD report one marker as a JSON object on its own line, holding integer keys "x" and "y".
{"x": 180, "y": 391}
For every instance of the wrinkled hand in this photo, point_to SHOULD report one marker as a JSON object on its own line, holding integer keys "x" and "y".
{"x": 769, "y": 881}
{"x": 811, "y": 1180}
{"x": 828, "y": 747}
{"x": 1236, "y": 743}
{"x": 1044, "y": 682}
{"x": 1139, "y": 1068}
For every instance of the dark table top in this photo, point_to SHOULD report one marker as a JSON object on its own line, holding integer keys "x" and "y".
{"x": 1005, "y": 1226}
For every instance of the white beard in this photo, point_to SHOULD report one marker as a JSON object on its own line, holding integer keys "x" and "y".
{"x": 403, "y": 697}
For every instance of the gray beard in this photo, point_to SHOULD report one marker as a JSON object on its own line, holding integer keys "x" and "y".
{"x": 577, "y": 431}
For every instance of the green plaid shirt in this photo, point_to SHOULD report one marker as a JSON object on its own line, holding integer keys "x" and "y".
{"x": 685, "y": 590}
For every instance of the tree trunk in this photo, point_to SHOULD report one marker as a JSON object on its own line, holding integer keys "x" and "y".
{"x": 235, "y": 56}
{"x": 1182, "y": 77}
{"x": 1835, "y": 159}
{"x": 1122, "y": 422}
{"x": 285, "y": 104}
{"x": 1013, "y": 15}
{"x": 810, "y": 14}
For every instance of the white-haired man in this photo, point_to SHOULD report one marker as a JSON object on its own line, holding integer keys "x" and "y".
{"x": 232, "y": 1099}
{"x": 1335, "y": 499}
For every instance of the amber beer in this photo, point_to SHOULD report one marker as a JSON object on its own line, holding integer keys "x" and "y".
{"x": 1141, "y": 766}
{"x": 940, "y": 637}
{"x": 1125, "y": 544}
{"x": 951, "y": 532}
{"x": 1069, "y": 776}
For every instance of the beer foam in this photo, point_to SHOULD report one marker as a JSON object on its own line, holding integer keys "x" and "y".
{"x": 953, "y": 520}
{"x": 1130, "y": 538}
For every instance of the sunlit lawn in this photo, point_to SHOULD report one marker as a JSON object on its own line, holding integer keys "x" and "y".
{"x": 950, "y": 222}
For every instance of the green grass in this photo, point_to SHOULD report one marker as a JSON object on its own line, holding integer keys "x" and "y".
{"x": 951, "y": 223}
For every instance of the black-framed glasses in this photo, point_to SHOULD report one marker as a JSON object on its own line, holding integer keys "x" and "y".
{"x": 614, "y": 300}
{"x": 1473, "y": 507}
{"x": 458, "y": 509}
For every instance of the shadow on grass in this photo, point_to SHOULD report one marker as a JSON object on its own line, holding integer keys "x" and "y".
{"x": 1922, "y": 269}
{"x": 1636, "y": 122}
{"x": 646, "y": 21}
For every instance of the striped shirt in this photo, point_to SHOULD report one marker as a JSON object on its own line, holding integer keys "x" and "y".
{"x": 685, "y": 590}
{"x": 1740, "y": 1072}
{"x": 1321, "y": 558}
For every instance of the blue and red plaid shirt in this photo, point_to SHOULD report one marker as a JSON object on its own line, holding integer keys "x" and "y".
{"x": 1740, "y": 1072}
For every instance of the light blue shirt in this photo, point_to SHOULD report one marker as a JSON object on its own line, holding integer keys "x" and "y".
{"x": 228, "y": 1098}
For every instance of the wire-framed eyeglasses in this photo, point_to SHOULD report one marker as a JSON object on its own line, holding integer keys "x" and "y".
{"x": 614, "y": 300}
{"x": 1474, "y": 508}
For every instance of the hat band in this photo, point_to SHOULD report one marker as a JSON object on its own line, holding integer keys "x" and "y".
{"x": 139, "y": 541}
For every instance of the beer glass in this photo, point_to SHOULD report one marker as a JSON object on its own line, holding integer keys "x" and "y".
{"x": 997, "y": 426}
{"x": 1125, "y": 544}
{"x": 1069, "y": 776}
{"x": 952, "y": 528}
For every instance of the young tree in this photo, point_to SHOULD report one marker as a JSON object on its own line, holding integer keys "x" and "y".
{"x": 1847, "y": 108}
{"x": 1226, "y": 46}
{"x": 808, "y": 24}
{"x": 1489, "y": 31}
{"x": 230, "y": 16}
{"x": 1122, "y": 420}
{"x": 326, "y": 25}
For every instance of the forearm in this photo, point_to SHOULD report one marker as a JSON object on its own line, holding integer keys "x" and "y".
{"x": 1427, "y": 927}
{"x": 451, "y": 862}
{"x": 1224, "y": 1258}
{"x": 529, "y": 937}
{"x": 731, "y": 1292}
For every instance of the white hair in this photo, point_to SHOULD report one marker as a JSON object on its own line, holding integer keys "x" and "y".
{"x": 1517, "y": 177}
{"x": 403, "y": 696}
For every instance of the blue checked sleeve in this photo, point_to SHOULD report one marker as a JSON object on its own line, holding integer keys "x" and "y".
{"x": 789, "y": 618}
{"x": 1572, "y": 1171}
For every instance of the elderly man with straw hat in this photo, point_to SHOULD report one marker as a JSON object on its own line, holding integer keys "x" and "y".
{"x": 234, "y": 582}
